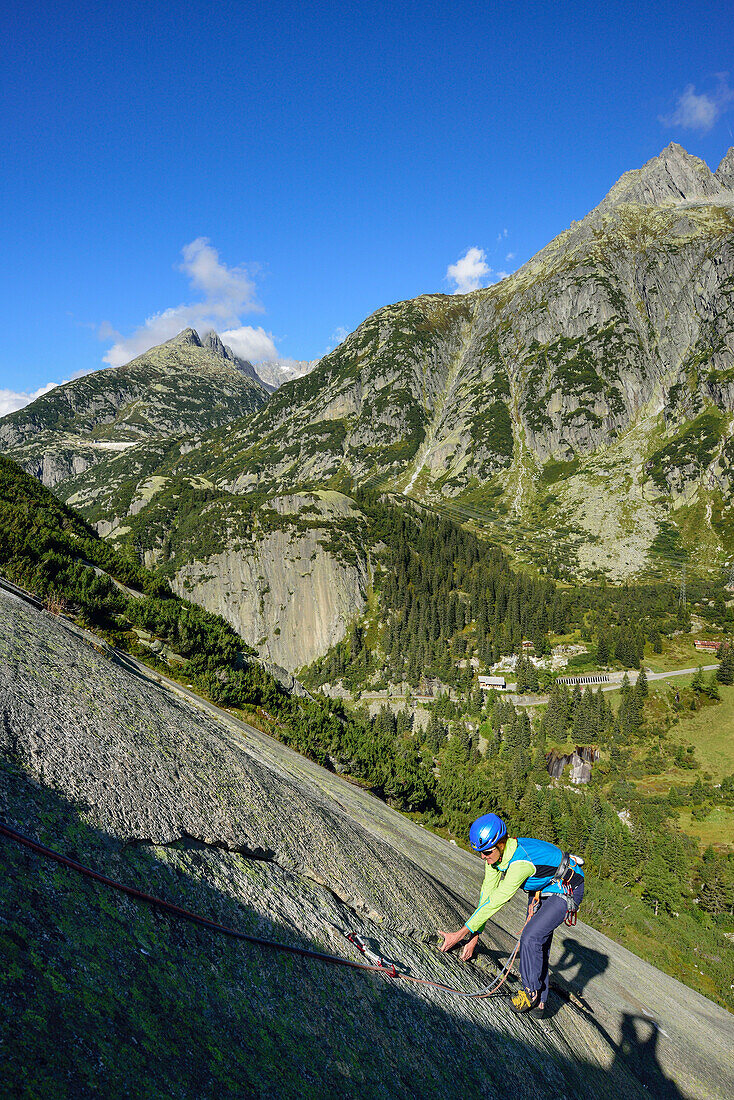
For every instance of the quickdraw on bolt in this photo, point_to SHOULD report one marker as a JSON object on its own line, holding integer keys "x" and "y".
{"x": 377, "y": 960}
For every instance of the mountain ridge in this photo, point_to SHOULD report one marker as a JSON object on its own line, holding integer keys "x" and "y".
{"x": 181, "y": 386}
{"x": 580, "y": 412}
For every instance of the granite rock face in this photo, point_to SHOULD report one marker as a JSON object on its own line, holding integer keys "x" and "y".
{"x": 121, "y": 775}
{"x": 291, "y": 593}
{"x": 725, "y": 172}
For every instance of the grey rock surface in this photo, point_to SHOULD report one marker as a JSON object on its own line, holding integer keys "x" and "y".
{"x": 725, "y": 172}
{"x": 277, "y": 372}
{"x": 290, "y": 593}
{"x": 671, "y": 176}
{"x": 99, "y": 759}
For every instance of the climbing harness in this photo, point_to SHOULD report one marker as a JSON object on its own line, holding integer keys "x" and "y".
{"x": 375, "y": 963}
{"x": 563, "y": 879}
{"x": 571, "y": 906}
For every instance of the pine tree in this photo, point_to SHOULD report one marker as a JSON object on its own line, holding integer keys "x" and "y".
{"x": 522, "y": 675}
{"x": 711, "y": 687}
{"x": 725, "y": 671}
{"x": 716, "y": 890}
{"x": 659, "y": 885}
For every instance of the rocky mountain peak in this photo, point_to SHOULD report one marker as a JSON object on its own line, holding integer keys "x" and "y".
{"x": 213, "y": 342}
{"x": 725, "y": 172}
{"x": 673, "y": 175}
{"x": 188, "y": 337}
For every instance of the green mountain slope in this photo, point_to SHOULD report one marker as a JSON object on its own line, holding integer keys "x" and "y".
{"x": 183, "y": 386}
{"x": 574, "y": 410}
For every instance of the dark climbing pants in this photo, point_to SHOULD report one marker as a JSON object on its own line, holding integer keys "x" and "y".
{"x": 536, "y": 939}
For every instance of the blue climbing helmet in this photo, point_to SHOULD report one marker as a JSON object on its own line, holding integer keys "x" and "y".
{"x": 487, "y": 831}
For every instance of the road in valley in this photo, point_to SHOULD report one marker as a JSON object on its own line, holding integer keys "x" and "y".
{"x": 613, "y": 685}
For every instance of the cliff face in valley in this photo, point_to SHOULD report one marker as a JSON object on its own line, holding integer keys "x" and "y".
{"x": 289, "y": 572}
{"x": 292, "y": 592}
{"x": 113, "y": 770}
{"x": 185, "y": 385}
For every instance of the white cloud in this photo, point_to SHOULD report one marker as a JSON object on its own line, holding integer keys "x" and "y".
{"x": 227, "y": 289}
{"x": 469, "y": 272}
{"x": 337, "y": 337}
{"x": 510, "y": 255}
{"x": 695, "y": 111}
{"x": 228, "y": 292}
{"x": 250, "y": 343}
{"x": 10, "y": 401}
{"x": 106, "y": 332}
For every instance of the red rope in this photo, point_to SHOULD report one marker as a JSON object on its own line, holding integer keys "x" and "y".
{"x": 195, "y": 918}
{"x": 169, "y": 907}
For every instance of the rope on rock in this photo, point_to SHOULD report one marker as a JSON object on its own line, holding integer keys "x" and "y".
{"x": 376, "y": 965}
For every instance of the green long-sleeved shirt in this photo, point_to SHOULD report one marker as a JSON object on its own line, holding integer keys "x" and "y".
{"x": 500, "y": 883}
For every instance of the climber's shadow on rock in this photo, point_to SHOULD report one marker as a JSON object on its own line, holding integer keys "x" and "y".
{"x": 636, "y": 1055}
{"x": 637, "y": 1051}
{"x": 578, "y": 964}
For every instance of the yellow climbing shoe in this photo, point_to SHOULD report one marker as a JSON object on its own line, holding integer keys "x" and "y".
{"x": 524, "y": 1001}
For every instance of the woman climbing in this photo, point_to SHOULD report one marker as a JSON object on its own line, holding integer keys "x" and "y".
{"x": 554, "y": 883}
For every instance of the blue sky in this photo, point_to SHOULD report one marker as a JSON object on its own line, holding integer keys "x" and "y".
{"x": 281, "y": 170}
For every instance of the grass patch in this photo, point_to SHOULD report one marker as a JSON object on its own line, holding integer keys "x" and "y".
{"x": 693, "y": 447}
{"x": 678, "y": 652}
{"x": 711, "y": 731}
{"x": 554, "y": 471}
{"x": 668, "y": 543}
{"x": 716, "y": 829}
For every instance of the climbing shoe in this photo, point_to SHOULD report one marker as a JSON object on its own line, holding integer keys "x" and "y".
{"x": 524, "y": 1001}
